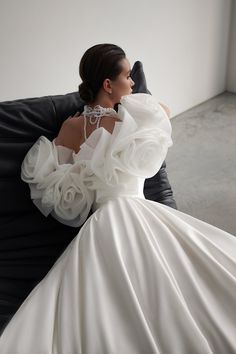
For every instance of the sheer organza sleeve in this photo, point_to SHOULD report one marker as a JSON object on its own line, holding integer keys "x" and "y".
{"x": 138, "y": 145}
{"x": 58, "y": 185}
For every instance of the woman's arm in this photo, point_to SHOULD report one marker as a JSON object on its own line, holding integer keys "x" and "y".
{"x": 165, "y": 108}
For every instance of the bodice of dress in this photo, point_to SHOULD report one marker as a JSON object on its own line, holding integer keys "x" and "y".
{"x": 68, "y": 184}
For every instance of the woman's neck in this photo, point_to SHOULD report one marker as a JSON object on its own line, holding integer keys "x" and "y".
{"x": 103, "y": 101}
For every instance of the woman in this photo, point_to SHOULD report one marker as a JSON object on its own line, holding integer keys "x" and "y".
{"x": 140, "y": 277}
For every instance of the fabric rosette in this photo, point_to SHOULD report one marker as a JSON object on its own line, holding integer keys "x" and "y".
{"x": 138, "y": 145}
{"x": 70, "y": 197}
{"x": 59, "y": 189}
{"x": 140, "y": 154}
{"x": 143, "y": 153}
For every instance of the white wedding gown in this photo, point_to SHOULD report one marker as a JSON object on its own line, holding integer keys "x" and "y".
{"x": 140, "y": 277}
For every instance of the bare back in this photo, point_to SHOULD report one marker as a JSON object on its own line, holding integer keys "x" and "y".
{"x": 73, "y": 130}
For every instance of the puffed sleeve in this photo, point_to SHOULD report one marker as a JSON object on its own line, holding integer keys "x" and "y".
{"x": 139, "y": 144}
{"x": 58, "y": 185}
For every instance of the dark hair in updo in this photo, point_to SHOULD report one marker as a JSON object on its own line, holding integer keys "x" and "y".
{"x": 100, "y": 62}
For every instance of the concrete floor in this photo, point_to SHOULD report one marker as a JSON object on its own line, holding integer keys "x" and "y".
{"x": 201, "y": 164}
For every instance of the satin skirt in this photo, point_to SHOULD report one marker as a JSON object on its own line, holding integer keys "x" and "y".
{"x": 139, "y": 278}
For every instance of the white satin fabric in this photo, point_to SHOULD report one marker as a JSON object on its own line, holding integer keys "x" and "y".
{"x": 140, "y": 277}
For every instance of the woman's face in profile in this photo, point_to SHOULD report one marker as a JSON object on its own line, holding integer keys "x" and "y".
{"x": 122, "y": 85}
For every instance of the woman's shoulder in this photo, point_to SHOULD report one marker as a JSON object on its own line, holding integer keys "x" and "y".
{"x": 70, "y": 132}
{"x": 73, "y": 122}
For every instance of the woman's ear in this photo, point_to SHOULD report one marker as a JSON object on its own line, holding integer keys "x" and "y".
{"x": 107, "y": 86}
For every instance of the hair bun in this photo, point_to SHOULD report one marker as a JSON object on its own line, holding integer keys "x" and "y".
{"x": 85, "y": 92}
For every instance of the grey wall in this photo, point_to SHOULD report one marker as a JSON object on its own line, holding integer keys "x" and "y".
{"x": 231, "y": 70}
{"x": 183, "y": 45}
